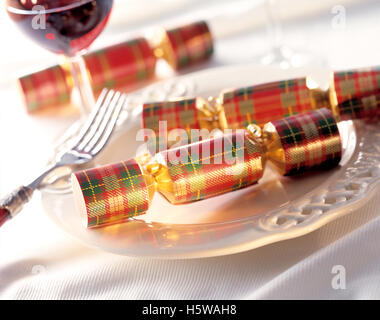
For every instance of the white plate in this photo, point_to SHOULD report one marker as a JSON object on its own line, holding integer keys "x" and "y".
{"x": 277, "y": 208}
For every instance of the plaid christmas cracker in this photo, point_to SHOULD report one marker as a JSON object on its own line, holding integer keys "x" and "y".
{"x": 309, "y": 140}
{"x": 122, "y": 64}
{"x": 190, "y": 44}
{"x": 113, "y": 193}
{"x": 179, "y": 114}
{"x": 366, "y": 107}
{"x": 350, "y": 86}
{"x": 45, "y": 88}
{"x": 263, "y": 103}
{"x": 212, "y": 167}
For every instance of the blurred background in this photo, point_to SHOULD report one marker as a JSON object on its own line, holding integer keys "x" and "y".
{"x": 343, "y": 32}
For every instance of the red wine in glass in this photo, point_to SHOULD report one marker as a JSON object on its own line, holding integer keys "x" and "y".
{"x": 61, "y": 26}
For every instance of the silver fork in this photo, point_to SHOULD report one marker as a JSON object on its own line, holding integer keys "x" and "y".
{"x": 87, "y": 144}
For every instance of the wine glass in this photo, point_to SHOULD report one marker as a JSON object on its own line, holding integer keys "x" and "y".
{"x": 280, "y": 54}
{"x": 66, "y": 27}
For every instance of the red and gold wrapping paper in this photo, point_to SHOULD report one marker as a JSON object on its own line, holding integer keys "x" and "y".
{"x": 112, "y": 193}
{"x": 181, "y": 113}
{"x": 299, "y": 143}
{"x": 352, "y": 95}
{"x": 262, "y": 103}
{"x": 212, "y": 167}
{"x": 121, "y": 64}
{"x": 178, "y": 117}
{"x": 186, "y": 45}
{"x": 117, "y": 66}
{"x": 44, "y": 89}
{"x": 356, "y": 83}
{"x": 355, "y": 93}
{"x": 208, "y": 168}
{"x": 234, "y": 109}
{"x": 365, "y": 107}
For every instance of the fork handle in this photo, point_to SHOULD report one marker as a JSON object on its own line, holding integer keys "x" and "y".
{"x": 4, "y": 216}
{"x": 13, "y": 203}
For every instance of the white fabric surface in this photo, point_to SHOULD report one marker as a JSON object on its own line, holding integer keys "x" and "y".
{"x": 60, "y": 268}
{"x": 39, "y": 261}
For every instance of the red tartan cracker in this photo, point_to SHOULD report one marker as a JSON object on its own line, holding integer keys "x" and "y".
{"x": 356, "y": 83}
{"x": 205, "y": 169}
{"x": 45, "y": 88}
{"x": 111, "y": 194}
{"x": 212, "y": 167}
{"x": 355, "y": 93}
{"x": 302, "y": 142}
{"x": 260, "y": 104}
{"x": 178, "y": 114}
{"x": 121, "y": 64}
{"x": 366, "y": 107}
{"x": 357, "y": 96}
{"x": 187, "y": 45}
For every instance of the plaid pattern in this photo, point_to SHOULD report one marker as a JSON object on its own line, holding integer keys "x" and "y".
{"x": 122, "y": 64}
{"x": 355, "y": 84}
{"x": 263, "y": 103}
{"x": 309, "y": 140}
{"x": 113, "y": 193}
{"x": 213, "y": 167}
{"x": 178, "y": 114}
{"x": 360, "y": 107}
{"x": 190, "y": 44}
{"x": 45, "y": 88}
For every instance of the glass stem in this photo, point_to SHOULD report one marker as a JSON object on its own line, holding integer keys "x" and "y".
{"x": 82, "y": 84}
{"x": 274, "y": 23}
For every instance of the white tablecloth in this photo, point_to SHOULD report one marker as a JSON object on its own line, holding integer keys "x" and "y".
{"x": 39, "y": 261}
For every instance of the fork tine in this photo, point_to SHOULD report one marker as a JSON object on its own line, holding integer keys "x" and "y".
{"x": 103, "y": 125}
{"x": 91, "y": 119}
{"x": 110, "y": 128}
{"x": 96, "y": 122}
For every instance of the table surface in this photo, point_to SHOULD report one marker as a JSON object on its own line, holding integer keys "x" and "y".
{"x": 37, "y": 260}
